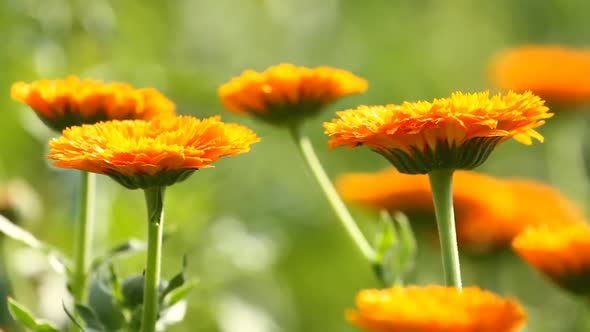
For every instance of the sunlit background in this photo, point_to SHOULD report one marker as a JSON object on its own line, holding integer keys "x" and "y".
{"x": 257, "y": 233}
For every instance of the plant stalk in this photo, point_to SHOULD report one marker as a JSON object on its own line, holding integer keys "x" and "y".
{"x": 441, "y": 182}
{"x": 83, "y": 237}
{"x": 155, "y": 207}
{"x": 346, "y": 220}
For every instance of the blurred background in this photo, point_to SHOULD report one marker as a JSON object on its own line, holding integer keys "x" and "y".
{"x": 267, "y": 250}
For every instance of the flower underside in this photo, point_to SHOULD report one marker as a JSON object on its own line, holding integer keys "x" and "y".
{"x": 458, "y": 132}
{"x": 285, "y": 94}
{"x": 73, "y": 102}
{"x": 140, "y": 154}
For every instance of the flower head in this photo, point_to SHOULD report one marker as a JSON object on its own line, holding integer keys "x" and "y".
{"x": 286, "y": 94}
{"x": 73, "y": 102}
{"x": 451, "y": 133}
{"x": 557, "y": 74}
{"x": 561, "y": 252}
{"x": 435, "y": 309}
{"x": 141, "y": 154}
{"x": 507, "y": 212}
{"x": 490, "y": 211}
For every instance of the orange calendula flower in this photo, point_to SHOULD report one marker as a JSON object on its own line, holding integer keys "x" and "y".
{"x": 490, "y": 211}
{"x": 561, "y": 252}
{"x": 557, "y": 74}
{"x": 286, "y": 94}
{"x": 458, "y": 132}
{"x": 73, "y": 102}
{"x": 507, "y": 212}
{"x": 142, "y": 154}
{"x": 435, "y": 309}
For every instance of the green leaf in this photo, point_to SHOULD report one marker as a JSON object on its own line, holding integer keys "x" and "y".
{"x": 71, "y": 317}
{"x": 408, "y": 247}
{"x": 89, "y": 317}
{"x": 179, "y": 293}
{"x": 132, "y": 290}
{"x": 386, "y": 239}
{"x": 107, "y": 308}
{"x": 176, "y": 281}
{"x": 21, "y": 314}
{"x": 115, "y": 284}
{"x": 126, "y": 248}
{"x": 56, "y": 259}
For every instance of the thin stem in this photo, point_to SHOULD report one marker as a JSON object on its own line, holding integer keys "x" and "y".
{"x": 83, "y": 237}
{"x": 307, "y": 152}
{"x": 154, "y": 198}
{"x": 441, "y": 182}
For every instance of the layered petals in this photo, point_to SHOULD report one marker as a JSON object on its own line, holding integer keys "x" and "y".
{"x": 450, "y": 133}
{"x": 159, "y": 150}
{"x": 286, "y": 94}
{"x": 73, "y": 102}
{"x": 557, "y": 74}
{"x": 490, "y": 211}
{"x": 435, "y": 309}
{"x": 561, "y": 252}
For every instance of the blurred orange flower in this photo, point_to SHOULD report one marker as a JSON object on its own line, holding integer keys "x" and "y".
{"x": 490, "y": 211}
{"x": 435, "y": 309}
{"x": 451, "y": 133}
{"x": 141, "y": 154}
{"x": 72, "y": 102}
{"x": 557, "y": 74}
{"x": 561, "y": 252}
{"x": 505, "y": 214}
{"x": 286, "y": 94}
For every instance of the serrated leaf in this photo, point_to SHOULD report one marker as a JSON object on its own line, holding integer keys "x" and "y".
{"x": 56, "y": 259}
{"x": 178, "y": 294}
{"x": 21, "y": 314}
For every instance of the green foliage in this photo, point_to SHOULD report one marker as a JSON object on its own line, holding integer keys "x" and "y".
{"x": 282, "y": 262}
{"x": 24, "y": 316}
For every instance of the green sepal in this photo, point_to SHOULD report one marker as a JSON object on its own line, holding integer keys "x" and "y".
{"x": 470, "y": 154}
{"x": 288, "y": 115}
{"x": 163, "y": 179}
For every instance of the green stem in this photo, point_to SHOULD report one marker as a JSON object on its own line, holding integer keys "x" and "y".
{"x": 441, "y": 182}
{"x": 154, "y": 198}
{"x": 83, "y": 237}
{"x": 307, "y": 152}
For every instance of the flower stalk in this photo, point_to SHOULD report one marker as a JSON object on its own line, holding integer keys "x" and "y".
{"x": 83, "y": 237}
{"x": 441, "y": 182}
{"x": 346, "y": 220}
{"x": 154, "y": 197}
